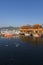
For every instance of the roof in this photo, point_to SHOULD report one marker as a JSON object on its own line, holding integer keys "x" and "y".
{"x": 26, "y": 27}
{"x": 35, "y": 26}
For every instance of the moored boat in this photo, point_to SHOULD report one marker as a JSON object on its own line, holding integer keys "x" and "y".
{"x": 26, "y": 34}
{"x": 36, "y": 35}
{"x": 8, "y": 35}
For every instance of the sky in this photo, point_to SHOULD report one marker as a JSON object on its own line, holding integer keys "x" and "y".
{"x": 21, "y": 12}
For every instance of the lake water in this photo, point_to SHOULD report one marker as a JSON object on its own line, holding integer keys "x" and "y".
{"x": 21, "y": 51}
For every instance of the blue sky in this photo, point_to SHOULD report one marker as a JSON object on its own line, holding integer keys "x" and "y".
{"x": 20, "y": 12}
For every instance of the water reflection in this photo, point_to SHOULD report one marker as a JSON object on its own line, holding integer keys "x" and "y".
{"x": 21, "y": 50}
{"x": 14, "y": 42}
{"x": 31, "y": 40}
{"x": 6, "y": 45}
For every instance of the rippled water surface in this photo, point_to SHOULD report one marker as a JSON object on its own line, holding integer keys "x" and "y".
{"x": 21, "y": 51}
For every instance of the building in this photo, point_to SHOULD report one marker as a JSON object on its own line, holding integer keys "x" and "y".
{"x": 6, "y": 31}
{"x": 36, "y": 28}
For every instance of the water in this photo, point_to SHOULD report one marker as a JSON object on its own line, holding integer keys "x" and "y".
{"x": 21, "y": 51}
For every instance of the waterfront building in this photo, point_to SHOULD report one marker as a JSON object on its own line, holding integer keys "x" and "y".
{"x": 36, "y": 28}
{"x": 6, "y": 31}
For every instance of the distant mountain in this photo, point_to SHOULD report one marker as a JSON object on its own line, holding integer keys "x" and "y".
{"x": 10, "y": 28}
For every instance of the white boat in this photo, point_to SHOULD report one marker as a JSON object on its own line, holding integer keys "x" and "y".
{"x": 26, "y": 34}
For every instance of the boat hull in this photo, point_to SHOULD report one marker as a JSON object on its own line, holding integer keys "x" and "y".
{"x": 36, "y": 35}
{"x": 27, "y": 34}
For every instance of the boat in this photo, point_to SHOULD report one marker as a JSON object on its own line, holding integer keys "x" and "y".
{"x": 36, "y": 35}
{"x": 26, "y": 34}
{"x": 8, "y": 35}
